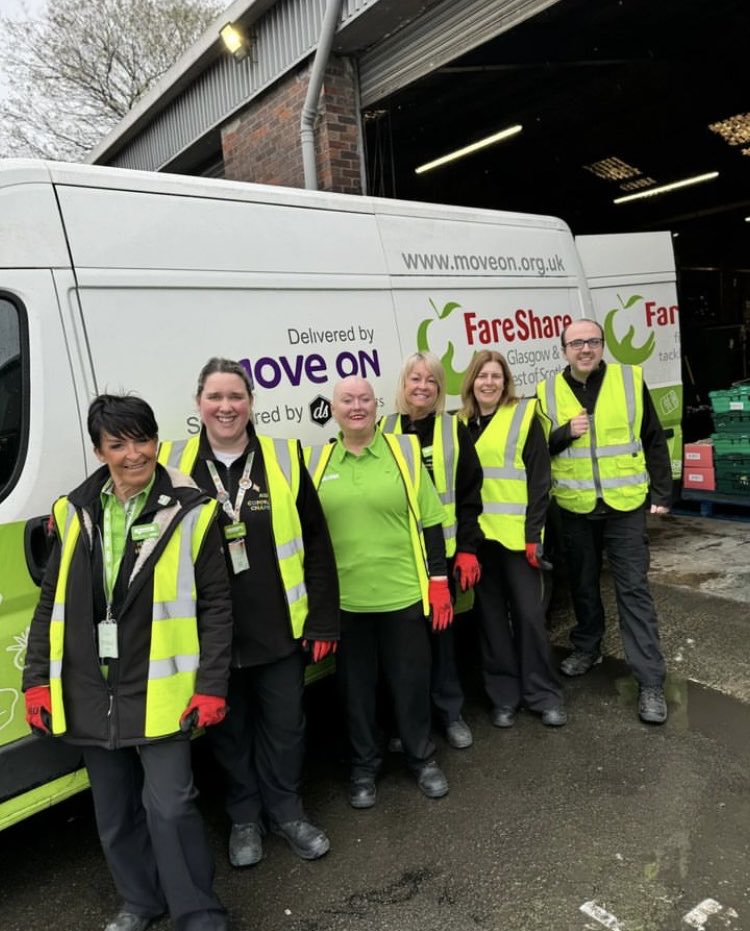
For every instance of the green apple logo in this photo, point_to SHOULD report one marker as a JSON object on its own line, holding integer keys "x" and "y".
{"x": 453, "y": 379}
{"x": 623, "y": 349}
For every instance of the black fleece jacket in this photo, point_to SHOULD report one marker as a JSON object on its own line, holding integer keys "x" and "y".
{"x": 87, "y": 694}
{"x": 262, "y": 626}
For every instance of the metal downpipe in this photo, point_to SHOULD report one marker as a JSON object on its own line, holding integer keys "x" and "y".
{"x": 310, "y": 106}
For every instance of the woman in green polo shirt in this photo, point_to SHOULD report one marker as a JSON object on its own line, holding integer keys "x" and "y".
{"x": 385, "y": 521}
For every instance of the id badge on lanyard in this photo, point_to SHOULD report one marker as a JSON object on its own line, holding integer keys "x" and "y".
{"x": 235, "y": 533}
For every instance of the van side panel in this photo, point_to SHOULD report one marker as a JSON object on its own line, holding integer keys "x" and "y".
{"x": 633, "y": 284}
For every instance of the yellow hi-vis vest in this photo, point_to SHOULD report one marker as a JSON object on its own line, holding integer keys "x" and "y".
{"x": 607, "y": 461}
{"x": 175, "y": 649}
{"x": 405, "y": 450}
{"x": 444, "y": 467}
{"x": 505, "y": 494}
{"x": 283, "y": 473}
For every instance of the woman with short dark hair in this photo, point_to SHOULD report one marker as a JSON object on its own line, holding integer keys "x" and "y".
{"x": 128, "y": 650}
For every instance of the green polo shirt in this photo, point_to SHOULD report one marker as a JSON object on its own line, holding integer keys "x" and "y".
{"x": 117, "y": 519}
{"x": 365, "y": 505}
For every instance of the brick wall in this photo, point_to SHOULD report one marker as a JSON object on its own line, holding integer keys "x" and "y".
{"x": 262, "y": 144}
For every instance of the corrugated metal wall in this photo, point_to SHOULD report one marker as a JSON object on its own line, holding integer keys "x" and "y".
{"x": 285, "y": 35}
{"x": 451, "y": 29}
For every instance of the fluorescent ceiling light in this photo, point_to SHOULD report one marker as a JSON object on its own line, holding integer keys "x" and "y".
{"x": 613, "y": 169}
{"x": 467, "y": 150}
{"x": 662, "y": 189}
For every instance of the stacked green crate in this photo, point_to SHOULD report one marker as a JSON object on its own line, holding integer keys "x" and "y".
{"x": 731, "y": 414}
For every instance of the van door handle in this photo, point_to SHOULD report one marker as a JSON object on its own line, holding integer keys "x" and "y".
{"x": 37, "y": 545}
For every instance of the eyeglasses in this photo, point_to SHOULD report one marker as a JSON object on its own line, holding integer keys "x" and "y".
{"x": 596, "y": 342}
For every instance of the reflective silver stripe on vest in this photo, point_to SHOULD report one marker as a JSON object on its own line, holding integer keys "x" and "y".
{"x": 316, "y": 454}
{"x": 390, "y": 423}
{"x": 602, "y": 452}
{"x": 295, "y": 593}
{"x": 449, "y": 455}
{"x": 289, "y": 549}
{"x": 184, "y": 604}
{"x": 549, "y": 390}
{"x": 497, "y": 507}
{"x": 628, "y": 380}
{"x": 449, "y": 533}
{"x": 494, "y": 472}
{"x": 163, "y": 668}
{"x": 407, "y": 451}
{"x": 281, "y": 448}
{"x": 55, "y": 668}
{"x": 588, "y": 484}
{"x": 58, "y": 612}
{"x": 175, "y": 453}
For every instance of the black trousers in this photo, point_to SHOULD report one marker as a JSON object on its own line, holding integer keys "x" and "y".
{"x": 624, "y": 539}
{"x": 397, "y": 643}
{"x": 152, "y": 832}
{"x": 516, "y": 661}
{"x": 260, "y": 745}
{"x": 445, "y": 685}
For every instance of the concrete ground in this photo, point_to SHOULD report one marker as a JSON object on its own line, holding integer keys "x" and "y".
{"x": 606, "y": 823}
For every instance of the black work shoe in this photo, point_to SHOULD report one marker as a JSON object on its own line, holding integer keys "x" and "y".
{"x": 245, "y": 844}
{"x": 362, "y": 792}
{"x": 127, "y": 921}
{"x": 458, "y": 734}
{"x": 652, "y": 706}
{"x": 503, "y": 716}
{"x": 579, "y": 663}
{"x": 307, "y": 841}
{"x": 554, "y": 717}
{"x": 431, "y": 780}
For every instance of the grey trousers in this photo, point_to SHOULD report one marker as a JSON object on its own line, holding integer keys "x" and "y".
{"x": 152, "y": 833}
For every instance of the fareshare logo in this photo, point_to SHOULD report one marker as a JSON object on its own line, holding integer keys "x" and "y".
{"x": 453, "y": 379}
{"x": 623, "y": 349}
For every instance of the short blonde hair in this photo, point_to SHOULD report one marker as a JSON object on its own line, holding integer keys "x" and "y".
{"x": 434, "y": 366}
{"x": 469, "y": 406}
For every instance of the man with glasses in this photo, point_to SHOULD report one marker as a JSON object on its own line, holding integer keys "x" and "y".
{"x": 609, "y": 464}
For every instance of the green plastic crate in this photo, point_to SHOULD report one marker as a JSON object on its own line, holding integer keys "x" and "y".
{"x": 731, "y": 399}
{"x": 730, "y": 467}
{"x": 732, "y": 422}
{"x": 734, "y": 445}
{"x": 738, "y": 485}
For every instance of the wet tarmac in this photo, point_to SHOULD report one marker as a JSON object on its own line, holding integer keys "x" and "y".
{"x": 606, "y": 823}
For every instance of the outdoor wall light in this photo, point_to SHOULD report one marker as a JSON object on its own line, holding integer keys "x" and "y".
{"x": 234, "y": 41}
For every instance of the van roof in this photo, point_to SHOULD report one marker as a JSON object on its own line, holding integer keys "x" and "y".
{"x": 28, "y": 171}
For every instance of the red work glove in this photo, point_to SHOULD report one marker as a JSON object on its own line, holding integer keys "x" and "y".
{"x": 203, "y": 711}
{"x": 320, "y": 648}
{"x": 440, "y": 602}
{"x": 535, "y": 556}
{"x": 466, "y": 570}
{"x": 39, "y": 709}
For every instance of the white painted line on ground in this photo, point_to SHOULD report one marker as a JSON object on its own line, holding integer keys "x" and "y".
{"x": 605, "y": 918}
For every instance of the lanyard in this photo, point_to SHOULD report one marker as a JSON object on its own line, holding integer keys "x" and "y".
{"x": 222, "y": 494}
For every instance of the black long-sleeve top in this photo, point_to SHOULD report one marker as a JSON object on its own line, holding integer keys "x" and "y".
{"x": 468, "y": 479}
{"x": 536, "y": 462}
{"x": 655, "y": 450}
{"x": 262, "y": 626}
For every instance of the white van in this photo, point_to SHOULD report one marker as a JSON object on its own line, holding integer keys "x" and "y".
{"x": 128, "y": 281}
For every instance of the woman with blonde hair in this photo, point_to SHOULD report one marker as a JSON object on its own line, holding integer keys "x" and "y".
{"x": 511, "y": 444}
{"x": 449, "y": 455}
